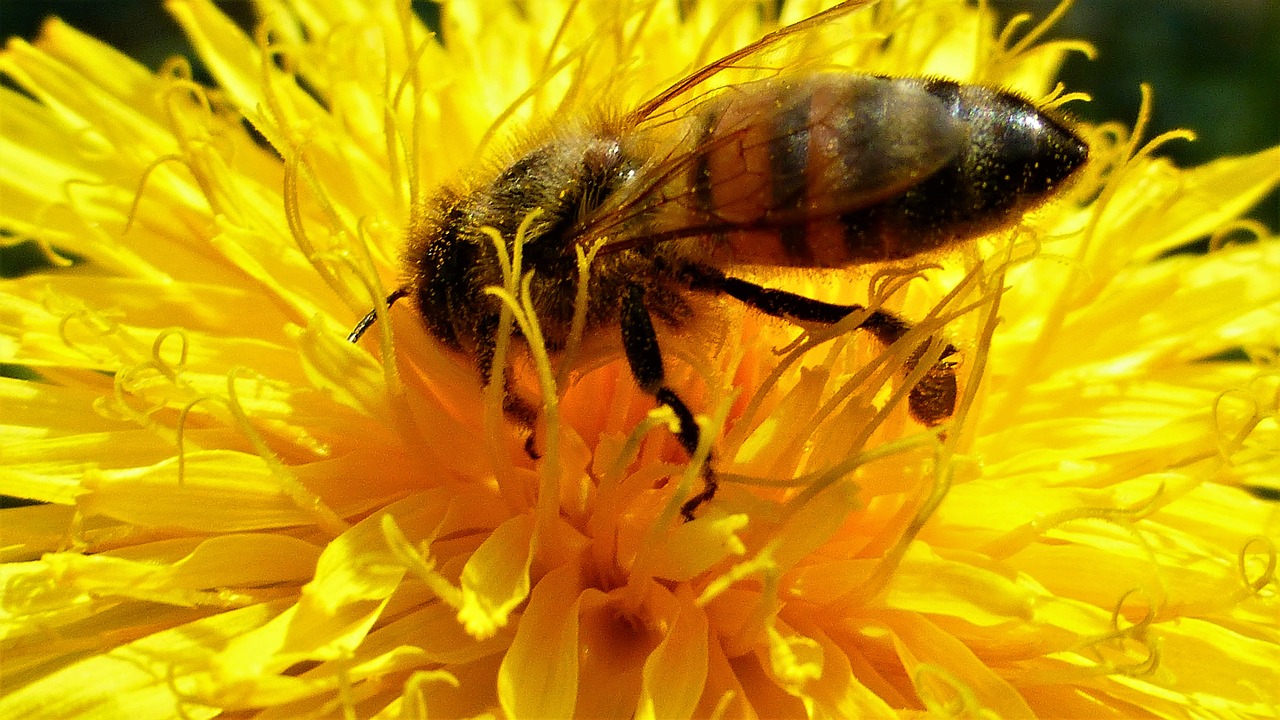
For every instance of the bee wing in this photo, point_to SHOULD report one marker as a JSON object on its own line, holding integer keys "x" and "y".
{"x": 777, "y": 153}
{"x": 749, "y": 57}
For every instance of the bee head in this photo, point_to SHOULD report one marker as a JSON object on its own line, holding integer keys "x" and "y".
{"x": 452, "y": 258}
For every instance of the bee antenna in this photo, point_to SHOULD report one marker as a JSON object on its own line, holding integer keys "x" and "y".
{"x": 368, "y": 319}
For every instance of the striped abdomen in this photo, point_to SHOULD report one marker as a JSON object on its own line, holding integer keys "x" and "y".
{"x": 831, "y": 170}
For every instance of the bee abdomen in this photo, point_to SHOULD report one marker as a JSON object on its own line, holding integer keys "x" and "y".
{"x": 832, "y": 170}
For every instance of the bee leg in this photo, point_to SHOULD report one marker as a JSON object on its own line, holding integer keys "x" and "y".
{"x": 930, "y": 402}
{"x": 522, "y": 413}
{"x": 517, "y": 409}
{"x": 645, "y": 359}
{"x": 372, "y": 316}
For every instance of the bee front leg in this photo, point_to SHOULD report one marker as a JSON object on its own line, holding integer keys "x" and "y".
{"x": 514, "y": 406}
{"x": 930, "y": 402}
{"x": 644, "y": 356}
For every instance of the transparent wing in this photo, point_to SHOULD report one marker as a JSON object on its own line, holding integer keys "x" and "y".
{"x": 787, "y": 47}
{"x": 777, "y": 153}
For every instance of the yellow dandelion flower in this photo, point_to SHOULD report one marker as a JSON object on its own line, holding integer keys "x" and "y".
{"x": 238, "y": 512}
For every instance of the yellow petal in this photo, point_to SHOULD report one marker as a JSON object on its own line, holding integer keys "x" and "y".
{"x": 1162, "y": 208}
{"x": 495, "y": 579}
{"x": 539, "y": 673}
{"x": 948, "y": 674}
{"x": 839, "y": 692}
{"x": 212, "y": 490}
{"x": 141, "y": 679}
{"x": 676, "y": 670}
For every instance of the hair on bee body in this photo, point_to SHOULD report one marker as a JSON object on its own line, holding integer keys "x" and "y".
{"x": 807, "y": 170}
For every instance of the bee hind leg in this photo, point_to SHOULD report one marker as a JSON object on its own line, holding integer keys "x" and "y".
{"x": 645, "y": 359}
{"x": 931, "y": 401}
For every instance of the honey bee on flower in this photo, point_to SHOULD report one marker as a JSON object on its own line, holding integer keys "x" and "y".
{"x": 807, "y": 169}
{"x": 237, "y": 513}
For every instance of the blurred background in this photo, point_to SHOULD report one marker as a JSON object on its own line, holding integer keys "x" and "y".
{"x": 1214, "y": 64}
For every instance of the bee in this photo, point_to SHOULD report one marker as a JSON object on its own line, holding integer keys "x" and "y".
{"x": 804, "y": 170}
